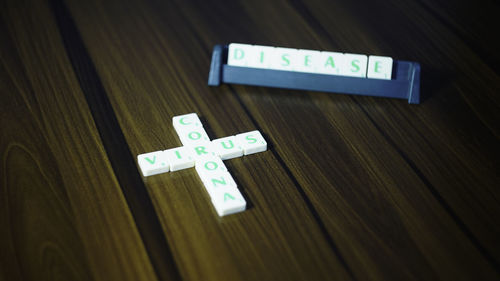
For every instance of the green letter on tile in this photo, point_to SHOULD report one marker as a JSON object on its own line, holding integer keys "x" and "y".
{"x": 251, "y": 139}
{"x": 227, "y": 195}
{"x": 330, "y": 62}
{"x": 151, "y": 161}
{"x": 197, "y": 135}
{"x": 238, "y": 54}
{"x": 355, "y": 65}
{"x": 231, "y": 145}
{"x": 221, "y": 181}
{"x": 211, "y": 167}
{"x": 200, "y": 150}
{"x": 182, "y": 121}
{"x": 285, "y": 58}
{"x": 178, "y": 154}
{"x": 307, "y": 60}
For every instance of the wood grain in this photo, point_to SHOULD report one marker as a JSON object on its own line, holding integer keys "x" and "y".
{"x": 351, "y": 188}
{"x": 471, "y": 22}
{"x": 448, "y": 126}
{"x": 283, "y": 237}
{"x": 360, "y": 133}
{"x": 63, "y": 216}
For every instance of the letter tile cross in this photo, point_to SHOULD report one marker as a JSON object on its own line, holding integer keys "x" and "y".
{"x": 206, "y": 156}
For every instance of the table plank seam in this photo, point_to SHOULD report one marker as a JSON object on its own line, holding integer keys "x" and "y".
{"x": 448, "y": 209}
{"x": 299, "y": 188}
{"x": 304, "y": 12}
{"x": 116, "y": 147}
{"x": 476, "y": 48}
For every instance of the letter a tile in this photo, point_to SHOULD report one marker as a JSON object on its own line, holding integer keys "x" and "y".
{"x": 228, "y": 201}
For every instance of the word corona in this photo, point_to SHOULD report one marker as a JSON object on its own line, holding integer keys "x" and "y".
{"x": 206, "y": 156}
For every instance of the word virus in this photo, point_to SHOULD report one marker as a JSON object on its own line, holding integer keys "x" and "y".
{"x": 206, "y": 156}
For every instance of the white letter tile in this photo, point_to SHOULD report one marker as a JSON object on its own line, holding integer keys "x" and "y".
{"x": 354, "y": 65}
{"x": 179, "y": 158}
{"x": 191, "y": 136}
{"x": 238, "y": 54}
{"x": 153, "y": 163}
{"x": 330, "y": 63}
{"x": 228, "y": 201}
{"x": 283, "y": 59}
{"x": 379, "y": 67}
{"x": 227, "y": 148}
{"x": 251, "y": 142}
{"x": 205, "y": 166}
{"x": 202, "y": 149}
{"x": 217, "y": 181}
{"x": 182, "y": 122}
{"x": 260, "y": 56}
{"x": 307, "y": 61}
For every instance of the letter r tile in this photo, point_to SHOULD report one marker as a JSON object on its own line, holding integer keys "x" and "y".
{"x": 202, "y": 150}
{"x": 307, "y": 61}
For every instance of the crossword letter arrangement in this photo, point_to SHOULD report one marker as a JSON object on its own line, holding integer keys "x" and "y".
{"x": 206, "y": 156}
{"x": 315, "y": 70}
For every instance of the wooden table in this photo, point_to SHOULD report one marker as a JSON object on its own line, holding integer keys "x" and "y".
{"x": 351, "y": 187}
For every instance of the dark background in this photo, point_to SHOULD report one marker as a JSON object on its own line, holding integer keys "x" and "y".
{"x": 351, "y": 187}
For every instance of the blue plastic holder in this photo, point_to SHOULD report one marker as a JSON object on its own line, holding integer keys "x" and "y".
{"x": 405, "y": 82}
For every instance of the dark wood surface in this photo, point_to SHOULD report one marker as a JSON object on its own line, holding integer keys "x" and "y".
{"x": 351, "y": 187}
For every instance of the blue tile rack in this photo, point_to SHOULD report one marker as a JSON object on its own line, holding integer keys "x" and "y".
{"x": 405, "y": 82}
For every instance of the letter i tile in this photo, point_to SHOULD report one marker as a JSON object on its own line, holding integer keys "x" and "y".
{"x": 179, "y": 158}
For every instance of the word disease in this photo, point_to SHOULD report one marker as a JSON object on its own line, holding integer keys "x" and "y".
{"x": 320, "y": 62}
{"x": 206, "y": 156}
